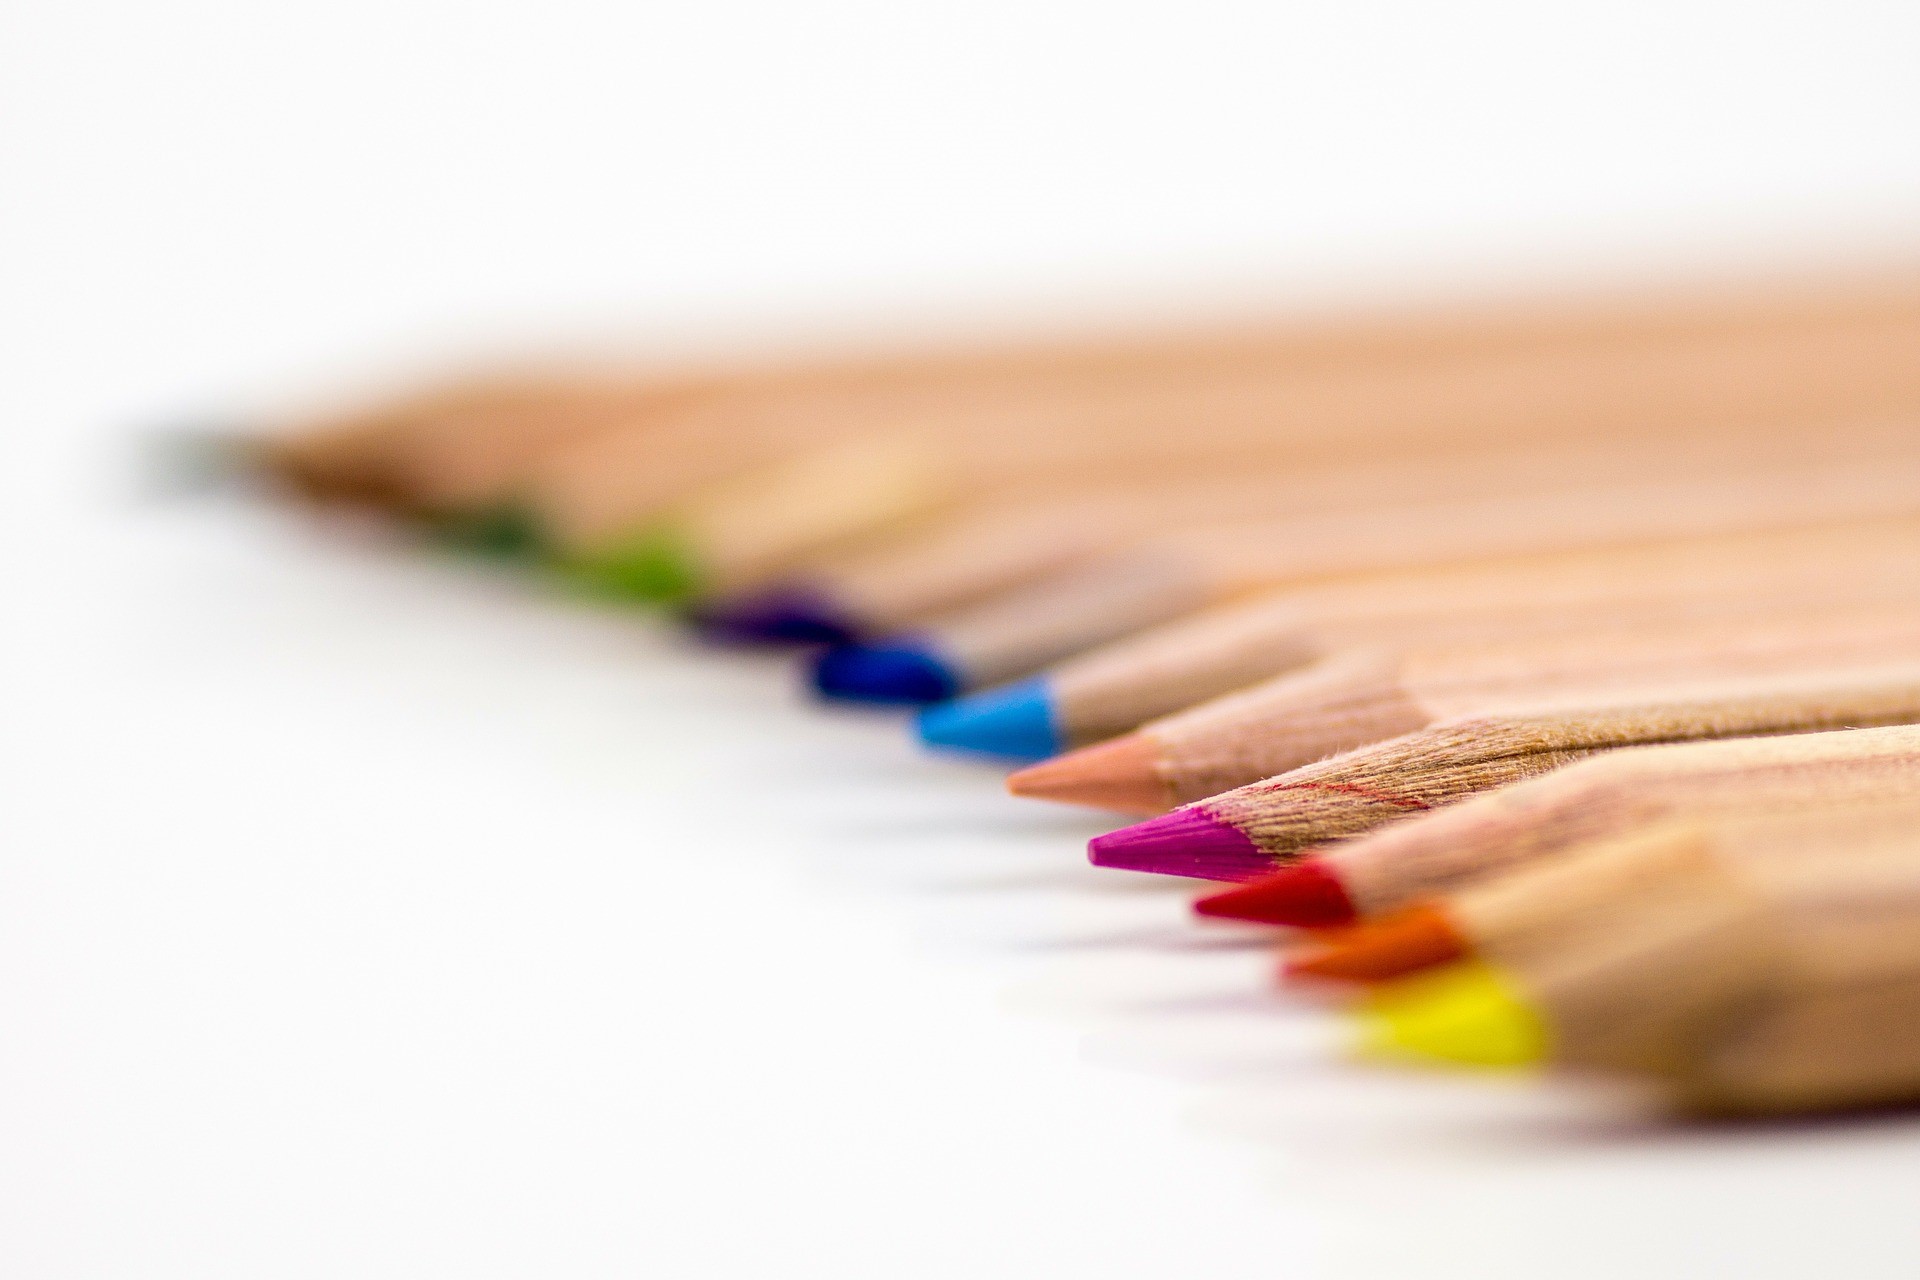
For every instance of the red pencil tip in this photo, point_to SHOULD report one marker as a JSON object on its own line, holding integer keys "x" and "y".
{"x": 1306, "y": 894}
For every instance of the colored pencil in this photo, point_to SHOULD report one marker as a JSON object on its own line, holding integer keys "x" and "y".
{"x": 1356, "y": 698}
{"x": 364, "y": 454}
{"x": 1551, "y": 659}
{"x": 1635, "y": 955}
{"x": 1718, "y": 872}
{"x": 1016, "y": 634}
{"x": 1121, "y": 687}
{"x": 892, "y": 583}
{"x": 346, "y": 452}
{"x": 1817, "y": 1045}
{"x": 1516, "y": 816}
{"x": 887, "y": 583}
{"x": 747, "y": 531}
{"x": 1259, "y": 832}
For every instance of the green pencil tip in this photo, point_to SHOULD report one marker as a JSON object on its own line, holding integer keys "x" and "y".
{"x": 656, "y": 566}
{"x": 197, "y": 459}
{"x": 502, "y": 533}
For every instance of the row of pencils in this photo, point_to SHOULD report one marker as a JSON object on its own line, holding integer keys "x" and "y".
{"x": 1544, "y": 671}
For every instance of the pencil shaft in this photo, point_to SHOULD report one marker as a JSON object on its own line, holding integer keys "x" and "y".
{"x": 1613, "y": 791}
{"x": 1634, "y": 947}
{"x": 1121, "y": 686}
{"x": 1350, "y": 700}
{"x": 1181, "y": 574}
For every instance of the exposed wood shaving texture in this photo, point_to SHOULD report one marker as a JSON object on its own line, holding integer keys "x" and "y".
{"x": 1333, "y": 706}
{"x": 1350, "y": 794}
{"x": 1615, "y": 790}
{"x": 1359, "y": 791}
{"x": 1348, "y": 701}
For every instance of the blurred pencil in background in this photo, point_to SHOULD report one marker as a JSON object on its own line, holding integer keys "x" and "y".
{"x": 1111, "y": 690}
{"x": 1015, "y": 635}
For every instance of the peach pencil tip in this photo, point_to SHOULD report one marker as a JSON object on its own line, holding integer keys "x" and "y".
{"x": 1119, "y": 775}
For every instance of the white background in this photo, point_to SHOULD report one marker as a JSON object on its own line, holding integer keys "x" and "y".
{"x": 364, "y": 913}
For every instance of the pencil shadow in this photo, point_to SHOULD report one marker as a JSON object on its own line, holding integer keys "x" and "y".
{"x": 1366, "y": 1120}
{"x": 1094, "y": 883}
{"x": 919, "y": 826}
{"x": 1167, "y": 942}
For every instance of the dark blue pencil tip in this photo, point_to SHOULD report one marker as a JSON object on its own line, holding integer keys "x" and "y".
{"x": 1015, "y": 722}
{"x": 778, "y": 615}
{"x": 899, "y": 672}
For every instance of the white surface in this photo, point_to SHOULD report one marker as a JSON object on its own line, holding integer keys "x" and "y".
{"x": 364, "y": 914}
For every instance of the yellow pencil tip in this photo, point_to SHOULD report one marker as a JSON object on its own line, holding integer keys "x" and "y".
{"x": 1467, "y": 1014}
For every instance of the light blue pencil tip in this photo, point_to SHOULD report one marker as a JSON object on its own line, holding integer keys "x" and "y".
{"x": 1015, "y": 722}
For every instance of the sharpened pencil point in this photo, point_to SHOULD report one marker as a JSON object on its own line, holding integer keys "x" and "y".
{"x": 899, "y": 673}
{"x": 1185, "y": 842}
{"x": 192, "y": 458}
{"x": 1121, "y": 775}
{"x": 777, "y": 615}
{"x": 657, "y": 567}
{"x": 506, "y": 532}
{"x": 1306, "y": 895}
{"x": 1013, "y": 722}
{"x": 1378, "y": 950}
{"x": 1465, "y": 1014}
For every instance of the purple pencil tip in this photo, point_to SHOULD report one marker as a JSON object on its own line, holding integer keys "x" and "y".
{"x": 1185, "y": 842}
{"x": 777, "y": 615}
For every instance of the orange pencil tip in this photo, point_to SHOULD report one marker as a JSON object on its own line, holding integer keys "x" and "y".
{"x": 1122, "y": 775}
{"x": 1390, "y": 947}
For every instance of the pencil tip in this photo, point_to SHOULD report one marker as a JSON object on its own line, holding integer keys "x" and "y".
{"x": 1014, "y": 722}
{"x": 1465, "y": 1014}
{"x": 794, "y": 614}
{"x": 899, "y": 672}
{"x": 1122, "y": 775}
{"x": 1185, "y": 842}
{"x": 1377, "y": 950}
{"x": 1307, "y": 895}
{"x": 504, "y": 532}
{"x": 199, "y": 457}
{"x": 657, "y": 566}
